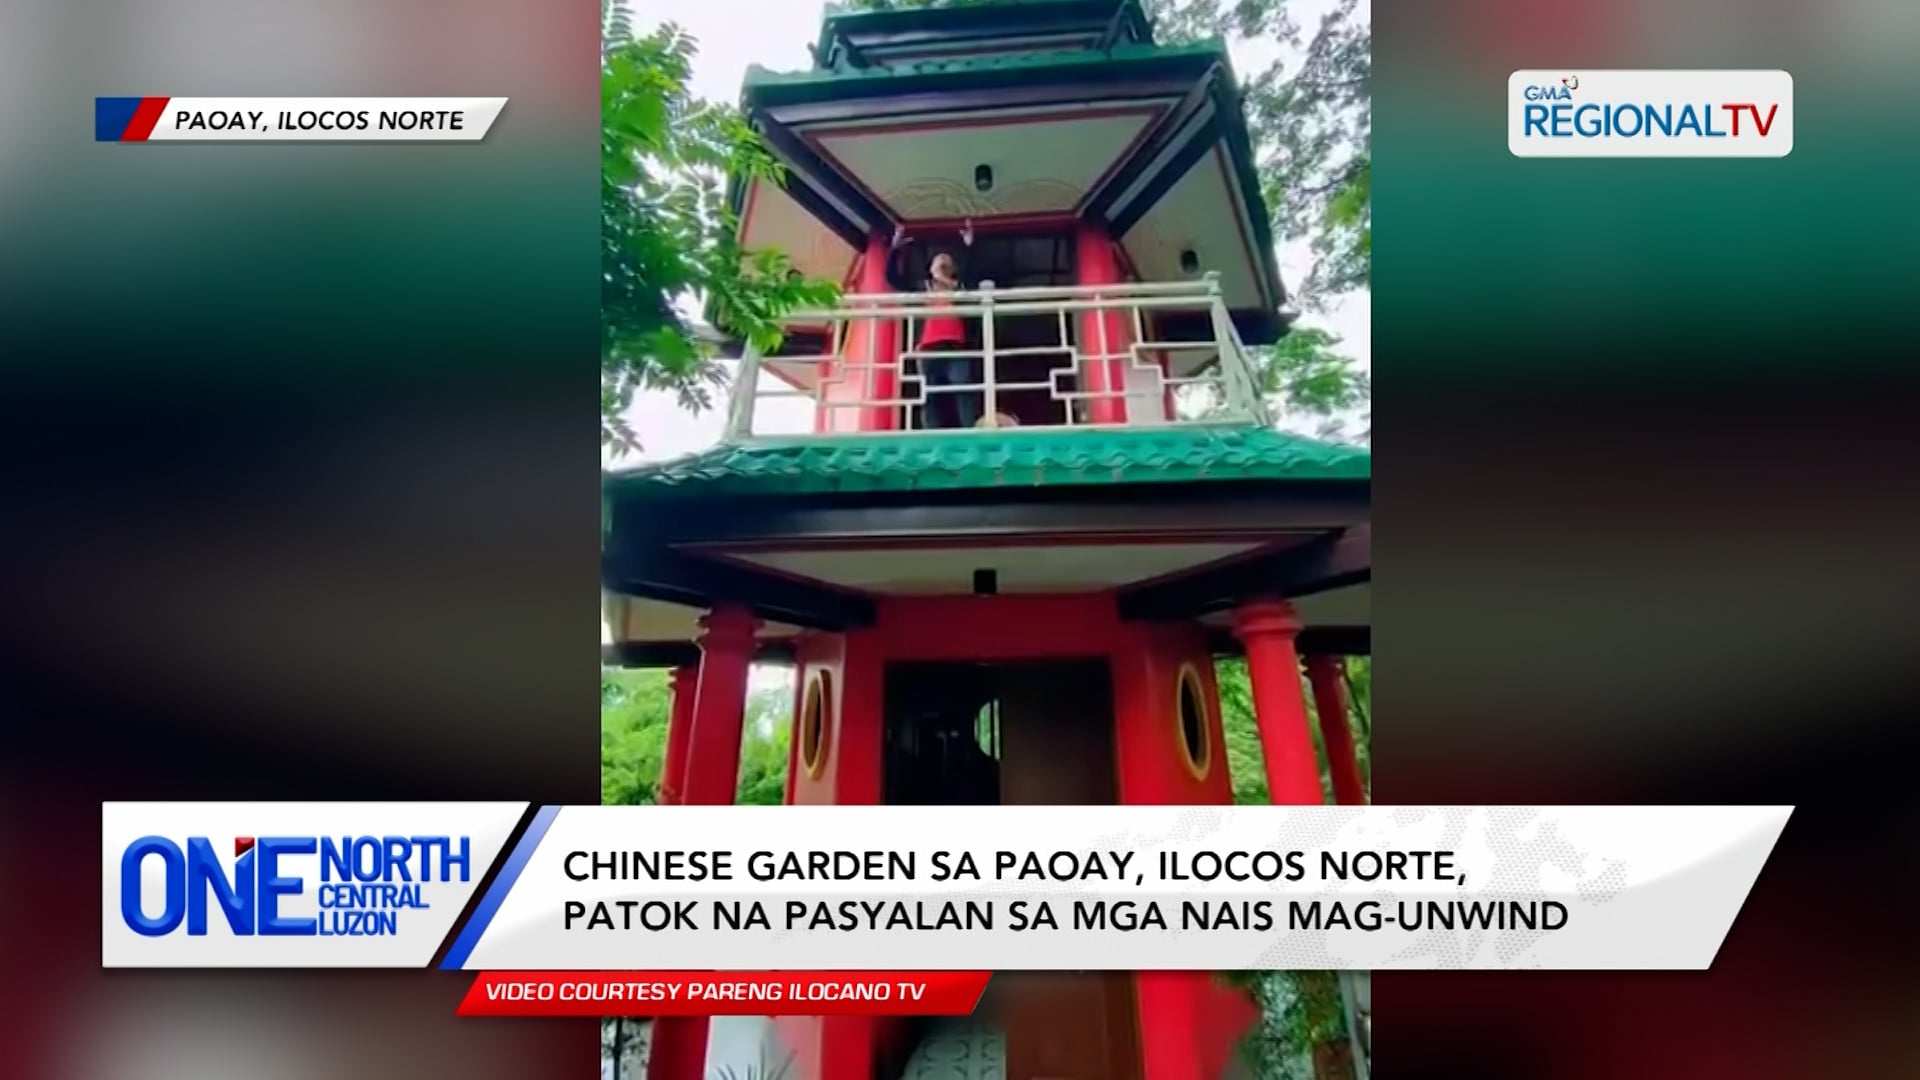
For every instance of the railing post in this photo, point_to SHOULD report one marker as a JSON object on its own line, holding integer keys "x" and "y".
{"x": 1243, "y": 394}
{"x": 991, "y": 408}
{"x": 910, "y": 334}
{"x": 746, "y": 386}
{"x": 1259, "y": 399}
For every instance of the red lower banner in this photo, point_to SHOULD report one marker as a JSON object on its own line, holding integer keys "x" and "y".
{"x": 724, "y": 993}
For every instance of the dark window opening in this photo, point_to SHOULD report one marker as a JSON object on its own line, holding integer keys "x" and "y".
{"x": 982, "y": 734}
{"x": 1011, "y": 260}
{"x": 942, "y": 736}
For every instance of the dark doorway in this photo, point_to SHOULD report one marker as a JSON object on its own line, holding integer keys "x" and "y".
{"x": 1011, "y": 260}
{"x": 971, "y": 734}
{"x": 1027, "y": 348}
{"x": 1031, "y": 733}
{"x": 942, "y": 736}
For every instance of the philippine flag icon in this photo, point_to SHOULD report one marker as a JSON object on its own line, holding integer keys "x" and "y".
{"x": 126, "y": 119}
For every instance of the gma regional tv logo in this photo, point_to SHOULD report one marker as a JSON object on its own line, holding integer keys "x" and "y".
{"x": 364, "y": 886}
{"x": 291, "y": 885}
{"x": 1650, "y": 113}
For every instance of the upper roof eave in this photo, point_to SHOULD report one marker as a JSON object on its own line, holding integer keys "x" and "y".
{"x": 1240, "y": 151}
{"x": 1013, "y": 15}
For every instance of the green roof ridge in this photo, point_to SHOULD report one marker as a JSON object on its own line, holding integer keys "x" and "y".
{"x": 832, "y": 10}
{"x": 974, "y": 12}
{"x": 762, "y": 76}
{"x": 1010, "y": 458}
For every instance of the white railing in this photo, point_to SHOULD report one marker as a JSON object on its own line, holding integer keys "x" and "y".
{"x": 1107, "y": 363}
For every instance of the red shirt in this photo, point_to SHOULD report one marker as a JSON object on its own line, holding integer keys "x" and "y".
{"x": 942, "y": 329}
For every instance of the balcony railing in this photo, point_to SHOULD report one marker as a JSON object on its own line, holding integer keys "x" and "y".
{"x": 1103, "y": 356}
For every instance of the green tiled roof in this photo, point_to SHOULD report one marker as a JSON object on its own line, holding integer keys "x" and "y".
{"x": 948, "y": 461}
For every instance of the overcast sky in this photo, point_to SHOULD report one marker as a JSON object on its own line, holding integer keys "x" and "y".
{"x": 774, "y": 34}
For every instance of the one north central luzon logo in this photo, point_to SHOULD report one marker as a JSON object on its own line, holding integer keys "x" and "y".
{"x": 1560, "y": 111}
{"x": 365, "y": 883}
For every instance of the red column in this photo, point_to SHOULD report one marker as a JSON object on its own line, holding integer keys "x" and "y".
{"x": 1330, "y": 702}
{"x": 673, "y": 771}
{"x": 719, "y": 706}
{"x": 867, "y": 342}
{"x": 884, "y": 380}
{"x": 1096, "y": 264}
{"x": 679, "y": 1045}
{"x": 1268, "y": 628}
{"x": 678, "y": 1048}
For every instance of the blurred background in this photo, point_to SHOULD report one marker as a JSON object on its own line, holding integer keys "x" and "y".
{"x": 298, "y": 492}
{"x": 1644, "y": 499}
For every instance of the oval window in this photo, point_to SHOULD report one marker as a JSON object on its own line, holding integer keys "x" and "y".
{"x": 813, "y": 723}
{"x": 1196, "y": 742}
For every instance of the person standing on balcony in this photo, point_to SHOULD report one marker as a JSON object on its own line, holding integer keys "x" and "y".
{"x": 945, "y": 333}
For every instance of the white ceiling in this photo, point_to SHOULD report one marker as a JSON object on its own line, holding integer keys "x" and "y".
{"x": 1045, "y": 160}
{"x": 1040, "y": 165}
{"x": 1201, "y": 212}
{"x": 1034, "y": 569}
{"x": 771, "y": 218}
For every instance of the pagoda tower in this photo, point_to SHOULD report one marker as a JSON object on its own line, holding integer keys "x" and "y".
{"x": 1026, "y": 608}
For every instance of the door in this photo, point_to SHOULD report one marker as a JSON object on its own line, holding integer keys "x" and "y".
{"x": 1056, "y": 731}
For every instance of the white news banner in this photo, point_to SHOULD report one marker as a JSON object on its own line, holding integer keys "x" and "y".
{"x": 1121, "y": 888}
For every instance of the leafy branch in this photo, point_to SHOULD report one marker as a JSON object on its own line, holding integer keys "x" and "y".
{"x": 668, "y": 235}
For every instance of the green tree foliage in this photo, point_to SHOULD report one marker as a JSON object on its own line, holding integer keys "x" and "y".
{"x": 1312, "y": 378}
{"x": 763, "y": 753}
{"x": 1359, "y": 675}
{"x": 635, "y": 707}
{"x": 667, "y": 232}
{"x": 1245, "y": 762}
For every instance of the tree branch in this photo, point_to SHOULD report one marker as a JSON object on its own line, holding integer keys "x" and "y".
{"x": 1341, "y": 178}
